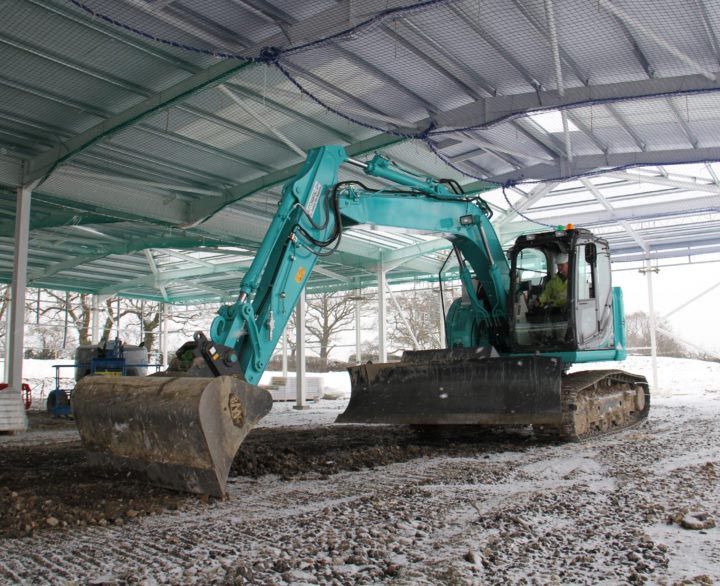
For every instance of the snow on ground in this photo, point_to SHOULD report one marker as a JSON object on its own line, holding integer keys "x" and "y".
{"x": 606, "y": 511}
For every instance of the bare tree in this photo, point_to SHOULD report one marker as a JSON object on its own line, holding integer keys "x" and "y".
{"x": 186, "y": 320}
{"x": 637, "y": 328}
{"x": 66, "y": 308}
{"x": 75, "y": 310}
{"x": 415, "y": 321}
{"x": 369, "y": 352}
{"x": 115, "y": 309}
{"x": 327, "y": 316}
{"x": 62, "y": 320}
{"x": 50, "y": 342}
{"x": 148, "y": 314}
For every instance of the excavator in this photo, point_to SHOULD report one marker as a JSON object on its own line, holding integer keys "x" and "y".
{"x": 507, "y": 355}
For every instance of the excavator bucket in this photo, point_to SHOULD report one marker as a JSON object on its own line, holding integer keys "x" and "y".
{"x": 181, "y": 432}
{"x": 457, "y": 387}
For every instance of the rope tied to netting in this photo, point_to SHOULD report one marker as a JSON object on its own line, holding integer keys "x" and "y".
{"x": 425, "y": 134}
{"x": 372, "y": 22}
{"x": 268, "y": 55}
{"x": 278, "y": 64}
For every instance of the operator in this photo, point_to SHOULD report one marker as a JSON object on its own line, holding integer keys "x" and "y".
{"x": 554, "y": 296}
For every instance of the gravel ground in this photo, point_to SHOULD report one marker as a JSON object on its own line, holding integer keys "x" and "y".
{"x": 316, "y": 503}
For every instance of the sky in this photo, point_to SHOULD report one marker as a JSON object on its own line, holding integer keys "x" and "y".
{"x": 674, "y": 288}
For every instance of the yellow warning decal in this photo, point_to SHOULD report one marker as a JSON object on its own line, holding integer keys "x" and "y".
{"x": 300, "y": 275}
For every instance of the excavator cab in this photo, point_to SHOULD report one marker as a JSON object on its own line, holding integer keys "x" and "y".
{"x": 583, "y": 320}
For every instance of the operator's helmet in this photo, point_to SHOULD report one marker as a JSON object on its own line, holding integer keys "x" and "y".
{"x": 561, "y": 258}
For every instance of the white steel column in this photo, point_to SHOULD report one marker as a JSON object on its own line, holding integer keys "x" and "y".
{"x": 441, "y": 313}
{"x": 358, "y": 326}
{"x": 284, "y": 354}
{"x": 164, "y": 336}
{"x": 95, "y": 320}
{"x": 300, "y": 353}
{"x": 12, "y": 407}
{"x": 382, "y": 311}
{"x": 653, "y": 324}
{"x": 6, "y": 358}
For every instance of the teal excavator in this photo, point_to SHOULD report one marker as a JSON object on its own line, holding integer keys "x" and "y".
{"x": 506, "y": 359}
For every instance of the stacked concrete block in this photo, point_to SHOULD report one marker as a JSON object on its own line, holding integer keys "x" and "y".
{"x": 12, "y": 411}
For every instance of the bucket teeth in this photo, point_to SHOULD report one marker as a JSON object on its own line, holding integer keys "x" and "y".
{"x": 181, "y": 433}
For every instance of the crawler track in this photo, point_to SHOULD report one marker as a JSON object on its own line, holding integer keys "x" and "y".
{"x": 600, "y": 402}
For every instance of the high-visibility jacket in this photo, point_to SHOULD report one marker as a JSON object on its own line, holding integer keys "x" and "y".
{"x": 555, "y": 293}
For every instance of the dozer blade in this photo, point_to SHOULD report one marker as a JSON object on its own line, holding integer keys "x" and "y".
{"x": 182, "y": 433}
{"x": 443, "y": 387}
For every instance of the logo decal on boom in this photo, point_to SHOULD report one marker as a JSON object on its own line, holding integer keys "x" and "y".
{"x": 300, "y": 275}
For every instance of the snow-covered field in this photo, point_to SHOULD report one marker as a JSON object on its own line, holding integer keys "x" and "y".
{"x": 40, "y": 375}
{"x": 608, "y": 511}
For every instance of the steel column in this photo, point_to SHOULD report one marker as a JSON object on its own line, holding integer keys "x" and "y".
{"x": 382, "y": 311}
{"x": 649, "y": 270}
{"x": 441, "y": 311}
{"x": 284, "y": 354}
{"x": 358, "y": 327}
{"x": 95, "y": 335}
{"x": 12, "y": 408}
{"x": 300, "y": 353}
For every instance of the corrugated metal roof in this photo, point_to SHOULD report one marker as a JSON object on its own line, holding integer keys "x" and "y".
{"x": 151, "y": 143}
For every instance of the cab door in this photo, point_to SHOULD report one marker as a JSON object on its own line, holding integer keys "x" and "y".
{"x": 593, "y": 296}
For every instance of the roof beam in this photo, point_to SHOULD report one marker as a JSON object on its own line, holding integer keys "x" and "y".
{"x": 650, "y": 72}
{"x": 223, "y": 295}
{"x": 156, "y": 271}
{"x": 535, "y": 195}
{"x": 260, "y": 120}
{"x": 333, "y": 20}
{"x": 343, "y": 98}
{"x": 481, "y": 83}
{"x": 497, "y": 46}
{"x": 624, "y": 223}
{"x": 487, "y": 111}
{"x": 42, "y": 165}
{"x": 173, "y": 275}
{"x": 647, "y": 212}
{"x": 664, "y": 181}
{"x": 332, "y": 274}
{"x": 573, "y": 67}
{"x": 402, "y": 255}
{"x": 115, "y": 33}
{"x": 645, "y": 32}
{"x": 126, "y": 247}
{"x": 709, "y": 29}
{"x": 585, "y": 164}
{"x": 201, "y": 210}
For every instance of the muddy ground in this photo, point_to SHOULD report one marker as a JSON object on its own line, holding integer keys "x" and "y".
{"x": 323, "y": 504}
{"x": 46, "y": 481}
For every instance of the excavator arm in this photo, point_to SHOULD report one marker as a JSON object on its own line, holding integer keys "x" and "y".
{"x": 183, "y": 428}
{"x": 314, "y": 210}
